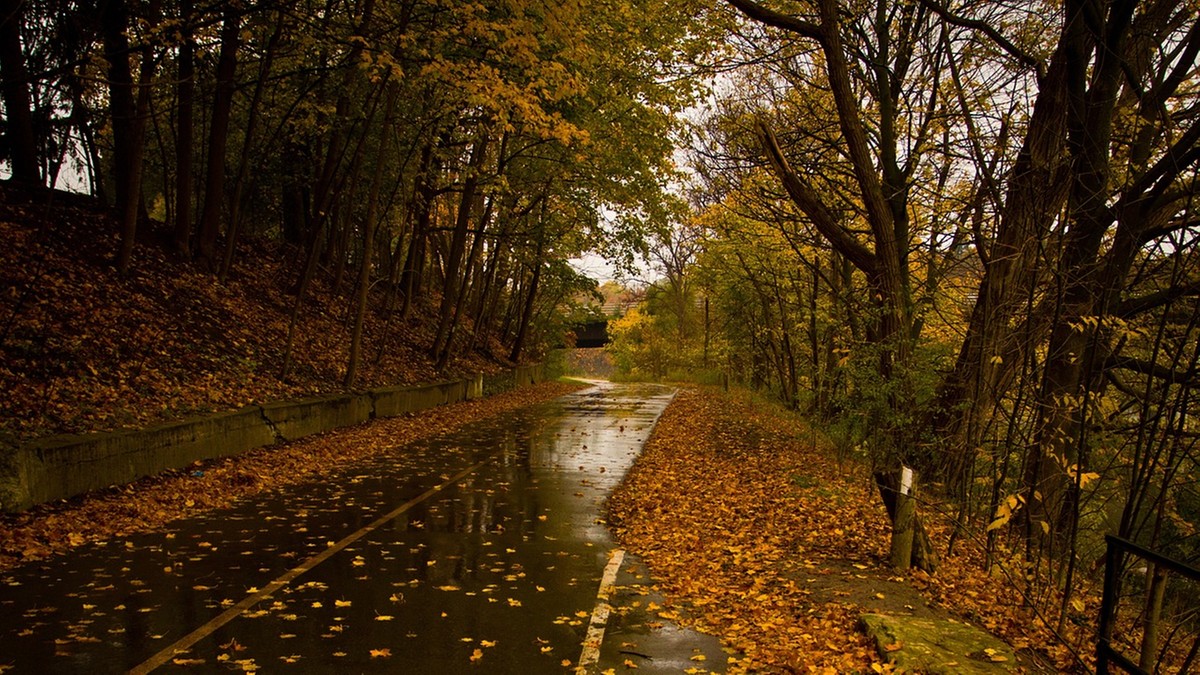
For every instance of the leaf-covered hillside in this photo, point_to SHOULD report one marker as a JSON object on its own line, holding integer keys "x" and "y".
{"x": 83, "y": 348}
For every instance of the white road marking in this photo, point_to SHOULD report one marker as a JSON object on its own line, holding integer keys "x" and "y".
{"x": 186, "y": 642}
{"x": 599, "y": 622}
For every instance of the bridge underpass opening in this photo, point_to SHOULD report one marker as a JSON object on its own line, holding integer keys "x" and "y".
{"x": 591, "y": 335}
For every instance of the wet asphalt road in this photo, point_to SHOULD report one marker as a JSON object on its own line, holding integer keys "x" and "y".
{"x": 478, "y": 552}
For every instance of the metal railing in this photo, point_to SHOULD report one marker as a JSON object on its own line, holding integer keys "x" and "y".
{"x": 1114, "y": 558}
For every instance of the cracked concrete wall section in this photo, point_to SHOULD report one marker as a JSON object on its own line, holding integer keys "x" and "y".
{"x": 60, "y": 467}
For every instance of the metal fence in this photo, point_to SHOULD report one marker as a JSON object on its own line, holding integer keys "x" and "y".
{"x": 1106, "y": 654}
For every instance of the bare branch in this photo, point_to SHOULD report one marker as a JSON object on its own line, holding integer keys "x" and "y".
{"x": 1173, "y": 162}
{"x": 812, "y": 206}
{"x": 776, "y": 19}
{"x": 1145, "y": 303}
{"x": 1187, "y": 379}
{"x": 982, "y": 26}
{"x": 1151, "y": 233}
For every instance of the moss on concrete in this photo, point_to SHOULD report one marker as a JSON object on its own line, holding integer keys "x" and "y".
{"x": 938, "y": 646}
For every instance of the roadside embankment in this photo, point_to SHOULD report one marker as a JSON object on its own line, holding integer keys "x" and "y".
{"x": 57, "y": 526}
{"x": 61, "y": 467}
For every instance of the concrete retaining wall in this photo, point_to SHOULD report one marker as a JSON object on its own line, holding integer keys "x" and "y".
{"x": 511, "y": 379}
{"x": 526, "y": 375}
{"x": 59, "y": 467}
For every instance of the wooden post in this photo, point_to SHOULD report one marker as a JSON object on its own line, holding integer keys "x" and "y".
{"x": 903, "y": 525}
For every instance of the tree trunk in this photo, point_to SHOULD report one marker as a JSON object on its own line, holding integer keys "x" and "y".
{"x": 458, "y": 242}
{"x": 239, "y": 184}
{"x": 924, "y": 556}
{"x": 184, "y": 136}
{"x": 122, "y": 105}
{"x": 341, "y": 226}
{"x": 489, "y": 297}
{"x": 18, "y": 113}
{"x": 80, "y": 121}
{"x": 530, "y": 299}
{"x": 820, "y": 375}
{"x": 294, "y": 207}
{"x": 218, "y": 139}
{"x": 128, "y": 117}
{"x": 1152, "y": 615}
{"x": 992, "y": 351}
{"x": 414, "y": 259}
{"x": 903, "y": 523}
{"x": 133, "y": 203}
{"x": 361, "y": 297}
{"x": 469, "y": 276}
{"x": 314, "y": 251}
{"x": 512, "y": 312}
{"x": 1090, "y": 285}
{"x": 368, "y": 245}
{"x": 327, "y": 181}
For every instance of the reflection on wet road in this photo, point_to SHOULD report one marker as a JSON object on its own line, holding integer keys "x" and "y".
{"x": 497, "y": 570}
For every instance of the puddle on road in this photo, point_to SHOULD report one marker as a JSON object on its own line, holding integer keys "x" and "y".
{"x": 498, "y": 570}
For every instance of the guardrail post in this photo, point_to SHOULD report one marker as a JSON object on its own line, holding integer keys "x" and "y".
{"x": 1106, "y": 655}
{"x": 1108, "y": 604}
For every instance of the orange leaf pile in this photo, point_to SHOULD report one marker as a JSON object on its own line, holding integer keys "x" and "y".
{"x": 756, "y": 533}
{"x": 716, "y": 507}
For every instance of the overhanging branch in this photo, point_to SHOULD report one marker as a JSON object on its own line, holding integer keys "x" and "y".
{"x": 1185, "y": 378}
{"x": 1025, "y": 58}
{"x": 1145, "y": 303}
{"x": 777, "y": 19}
{"x": 810, "y": 203}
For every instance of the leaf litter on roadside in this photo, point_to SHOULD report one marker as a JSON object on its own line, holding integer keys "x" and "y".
{"x": 738, "y": 507}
